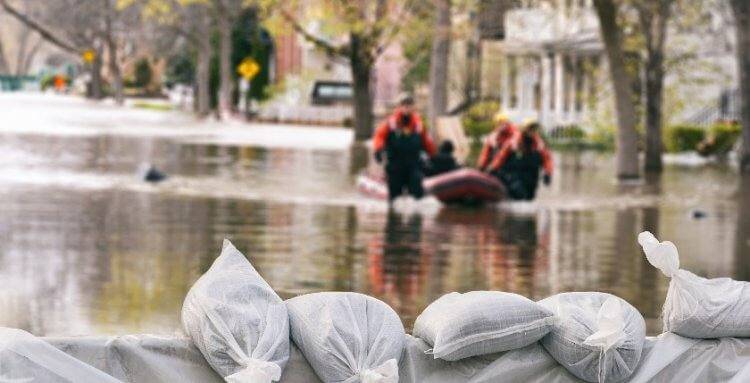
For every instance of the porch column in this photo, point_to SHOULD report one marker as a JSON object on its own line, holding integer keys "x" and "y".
{"x": 585, "y": 86}
{"x": 546, "y": 89}
{"x": 520, "y": 69}
{"x": 559, "y": 87}
{"x": 505, "y": 82}
{"x": 572, "y": 78}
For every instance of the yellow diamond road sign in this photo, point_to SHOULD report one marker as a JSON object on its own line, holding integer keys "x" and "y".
{"x": 248, "y": 68}
{"x": 88, "y": 55}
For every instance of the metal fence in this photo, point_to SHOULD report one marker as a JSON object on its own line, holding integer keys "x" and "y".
{"x": 726, "y": 108}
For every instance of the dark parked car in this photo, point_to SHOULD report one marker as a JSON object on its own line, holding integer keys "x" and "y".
{"x": 332, "y": 93}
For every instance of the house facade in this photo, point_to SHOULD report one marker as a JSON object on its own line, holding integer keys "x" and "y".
{"x": 553, "y": 67}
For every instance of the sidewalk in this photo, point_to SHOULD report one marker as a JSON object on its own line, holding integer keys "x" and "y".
{"x": 47, "y": 114}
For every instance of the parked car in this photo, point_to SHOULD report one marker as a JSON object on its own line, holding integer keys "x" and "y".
{"x": 332, "y": 93}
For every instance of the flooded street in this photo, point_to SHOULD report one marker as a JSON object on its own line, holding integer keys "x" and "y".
{"x": 87, "y": 248}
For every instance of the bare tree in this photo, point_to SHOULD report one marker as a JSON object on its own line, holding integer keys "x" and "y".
{"x": 370, "y": 26}
{"x": 193, "y": 22}
{"x": 226, "y": 12}
{"x": 66, "y": 25}
{"x": 203, "y": 67}
{"x": 741, "y": 9}
{"x": 27, "y": 48}
{"x": 440, "y": 57}
{"x": 110, "y": 41}
{"x": 45, "y": 33}
{"x": 653, "y": 16}
{"x": 79, "y": 25}
{"x": 626, "y": 151}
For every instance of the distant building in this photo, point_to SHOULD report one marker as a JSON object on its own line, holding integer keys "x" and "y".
{"x": 550, "y": 51}
{"x": 547, "y": 62}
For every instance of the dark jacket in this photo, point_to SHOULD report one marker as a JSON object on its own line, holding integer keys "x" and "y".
{"x": 442, "y": 163}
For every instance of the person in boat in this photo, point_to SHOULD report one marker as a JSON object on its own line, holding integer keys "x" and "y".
{"x": 504, "y": 131}
{"x": 443, "y": 161}
{"x": 521, "y": 160}
{"x": 401, "y": 140}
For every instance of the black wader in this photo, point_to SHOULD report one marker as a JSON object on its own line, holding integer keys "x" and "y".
{"x": 520, "y": 175}
{"x": 404, "y": 168}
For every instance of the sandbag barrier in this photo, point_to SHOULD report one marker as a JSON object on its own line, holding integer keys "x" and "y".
{"x": 240, "y": 331}
{"x": 349, "y": 337}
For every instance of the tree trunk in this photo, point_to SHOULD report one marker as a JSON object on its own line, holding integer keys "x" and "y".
{"x": 114, "y": 69}
{"x": 30, "y": 56}
{"x": 653, "y": 16}
{"x": 113, "y": 64}
{"x": 226, "y": 85}
{"x": 3, "y": 61}
{"x": 203, "y": 78}
{"x": 95, "y": 87}
{"x": 439, "y": 59}
{"x": 473, "y": 62}
{"x": 361, "y": 65}
{"x": 23, "y": 43}
{"x": 626, "y": 151}
{"x": 741, "y": 10}
{"x": 654, "y": 102}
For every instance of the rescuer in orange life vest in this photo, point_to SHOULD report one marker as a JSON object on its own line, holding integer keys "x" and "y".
{"x": 402, "y": 138}
{"x": 519, "y": 162}
{"x": 504, "y": 131}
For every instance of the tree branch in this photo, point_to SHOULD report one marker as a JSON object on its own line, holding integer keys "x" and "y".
{"x": 45, "y": 33}
{"x": 393, "y": 33}
{"x": 317, "y": 41}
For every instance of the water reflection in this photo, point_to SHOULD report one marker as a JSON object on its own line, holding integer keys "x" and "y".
{"x": 398, "y": 264}
{"x": 119, "y": 258}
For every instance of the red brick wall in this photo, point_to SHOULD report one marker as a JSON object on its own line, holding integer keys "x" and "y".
{"x": 288, "y": 55}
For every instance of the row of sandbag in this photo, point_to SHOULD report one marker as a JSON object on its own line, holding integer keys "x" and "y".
{"x": 243, "y": 328}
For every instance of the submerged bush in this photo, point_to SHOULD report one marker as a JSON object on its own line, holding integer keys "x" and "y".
{"x": 143, "y": 73}
{"x": 725, "y": 135}
{"x": 477, "y": 120}
{"x": 721, "y": 138}
{"x": 682, "y": 138}
{"x": 602, "y": 137}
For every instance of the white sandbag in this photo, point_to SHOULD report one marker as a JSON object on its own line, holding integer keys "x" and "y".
{"x": 145, "y": 358}
{"x": 458, "y": 326}
{"x": 347, "y": 337}
{"x": 697, "y": 307}
{"x": 598, "y": 337}
{"x": 237, "y": 321}
{"x": 25, "y": 358}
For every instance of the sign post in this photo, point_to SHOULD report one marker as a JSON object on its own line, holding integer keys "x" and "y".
{"x": 248, "y": 69}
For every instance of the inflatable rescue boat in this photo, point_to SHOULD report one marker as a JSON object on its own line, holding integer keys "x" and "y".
{"x": 462, "y": 186}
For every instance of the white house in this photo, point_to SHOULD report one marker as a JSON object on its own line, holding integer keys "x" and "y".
{"x": 553, "y": 65}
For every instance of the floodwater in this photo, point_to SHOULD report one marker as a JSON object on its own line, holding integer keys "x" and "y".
{"x": 86, "y": 248}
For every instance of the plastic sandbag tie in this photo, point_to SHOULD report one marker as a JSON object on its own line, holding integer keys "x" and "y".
{"x": 385, "y": 373}
{"x": 256, "y": 371}
{"x": 662, "y": 255}
{"x": 611, "y": 331}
